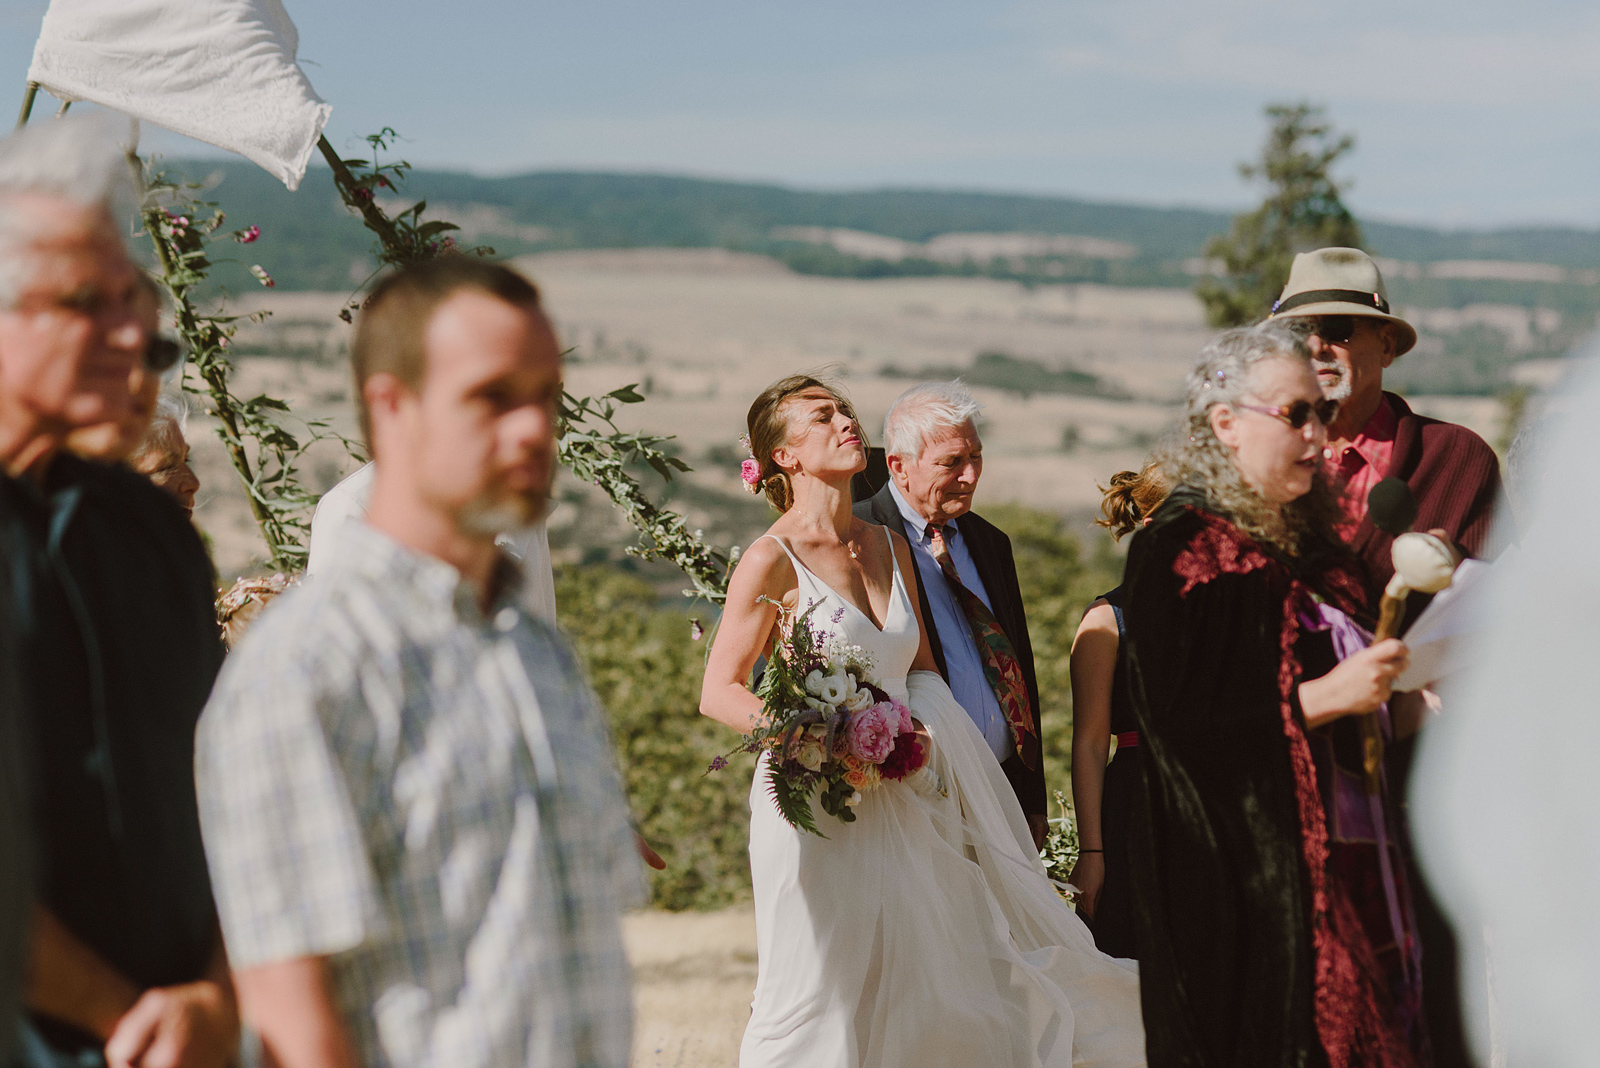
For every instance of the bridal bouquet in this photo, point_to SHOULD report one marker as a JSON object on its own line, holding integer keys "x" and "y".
{"x": 826, "y": 722}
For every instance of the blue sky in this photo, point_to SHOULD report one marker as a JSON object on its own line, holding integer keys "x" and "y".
{"x": 1467, "y": 112}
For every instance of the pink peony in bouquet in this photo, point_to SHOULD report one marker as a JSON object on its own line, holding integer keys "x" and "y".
{"x": 827, "y": 724}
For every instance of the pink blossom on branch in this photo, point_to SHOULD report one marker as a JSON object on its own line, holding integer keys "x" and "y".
{"x": 261, "y": 275}
{"x": 247, "y": 237}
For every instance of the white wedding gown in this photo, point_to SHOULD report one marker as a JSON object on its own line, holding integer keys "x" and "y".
{"x": 925, "y": 933}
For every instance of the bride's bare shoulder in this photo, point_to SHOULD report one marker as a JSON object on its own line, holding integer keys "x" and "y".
{"x": 764, "y": 566}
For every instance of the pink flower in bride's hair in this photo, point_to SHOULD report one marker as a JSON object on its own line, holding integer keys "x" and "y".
{"x": 750, "y": 471}
{"x": 872, "y": 732}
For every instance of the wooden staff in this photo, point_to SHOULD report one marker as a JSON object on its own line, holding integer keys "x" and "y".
{"x": 1424, "y": 563}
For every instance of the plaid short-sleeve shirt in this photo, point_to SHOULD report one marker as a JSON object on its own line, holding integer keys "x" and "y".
{"x": 424, "y": 794}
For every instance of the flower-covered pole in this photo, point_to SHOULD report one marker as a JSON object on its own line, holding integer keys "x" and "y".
{"x": 180, "y": 250}
{"x": 601, "y": 455}
{"x": 591, "y": 443}
{"x": 181, "y": 229}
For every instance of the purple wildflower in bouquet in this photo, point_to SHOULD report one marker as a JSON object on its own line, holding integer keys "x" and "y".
{"x": 826, "y": 723}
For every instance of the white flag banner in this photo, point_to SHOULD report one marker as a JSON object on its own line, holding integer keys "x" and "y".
{"x": 220, "y": 71}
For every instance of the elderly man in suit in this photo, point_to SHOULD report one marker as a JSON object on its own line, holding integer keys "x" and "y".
{"x": 966, "y": 577}
{"x": 1335, "y": 297}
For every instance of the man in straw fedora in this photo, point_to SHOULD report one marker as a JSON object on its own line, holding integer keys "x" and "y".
{"x": 1336, "y": 298}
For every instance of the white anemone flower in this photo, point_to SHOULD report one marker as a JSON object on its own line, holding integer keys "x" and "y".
{"x": 835, "y": 688}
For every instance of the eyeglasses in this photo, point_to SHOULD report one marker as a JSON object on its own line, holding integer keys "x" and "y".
{"x": 162, "y": 354}
{"x": 1333, "y": 329}
{"x": 1299, "y": 412}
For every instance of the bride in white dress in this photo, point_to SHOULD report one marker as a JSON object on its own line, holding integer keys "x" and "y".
{"x": 925, "y": 933}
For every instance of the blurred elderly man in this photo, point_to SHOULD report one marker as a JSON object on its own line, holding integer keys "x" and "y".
{"x": 1335, "y": 298}
{"x": 416, "y": 829}
{"x": 966, "y": 576}
{"x": 119, "y": 641}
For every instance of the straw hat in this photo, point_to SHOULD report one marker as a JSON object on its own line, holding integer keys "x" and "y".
{"x": 1339, "y": 281}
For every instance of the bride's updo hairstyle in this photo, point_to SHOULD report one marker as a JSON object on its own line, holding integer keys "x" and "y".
{"x": 768, "y": 425}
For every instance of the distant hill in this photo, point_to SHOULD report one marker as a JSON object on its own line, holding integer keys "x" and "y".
{"x": 309, "y": 241}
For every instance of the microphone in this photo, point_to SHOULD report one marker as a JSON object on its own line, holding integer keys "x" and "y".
{"x": 1392, "y": 506}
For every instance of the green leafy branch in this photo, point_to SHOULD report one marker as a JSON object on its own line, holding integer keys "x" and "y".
{"x": 264, "y": 452}
{"x": 592, "y": 445}
{"x": 403, "y": 238}
{"x": 600, "y": 452}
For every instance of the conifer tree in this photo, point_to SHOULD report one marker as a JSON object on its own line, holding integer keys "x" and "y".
{"x": 1302, "y": 211}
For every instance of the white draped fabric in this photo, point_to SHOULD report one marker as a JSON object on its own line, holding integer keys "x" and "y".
{"x": 1506, "y": 791}
{"x": 925, "y": 933}
{"x": 220, "y": 71}
{"x": 345, "y": 504}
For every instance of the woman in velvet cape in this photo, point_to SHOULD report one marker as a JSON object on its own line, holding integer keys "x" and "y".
{"x": 1251, "y": 958}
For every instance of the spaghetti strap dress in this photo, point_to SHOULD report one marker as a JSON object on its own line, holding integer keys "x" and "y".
{"x": 925, "y": 933}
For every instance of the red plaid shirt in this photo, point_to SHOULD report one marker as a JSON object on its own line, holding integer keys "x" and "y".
{"x": 1361, "y": 464}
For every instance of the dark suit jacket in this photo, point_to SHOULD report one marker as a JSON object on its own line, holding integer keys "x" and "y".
{"x": 1455, "y": 477}
{"x": 991, "y": 554}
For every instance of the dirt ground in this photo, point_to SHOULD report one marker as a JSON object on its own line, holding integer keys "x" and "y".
{"x": 694, "y": 973}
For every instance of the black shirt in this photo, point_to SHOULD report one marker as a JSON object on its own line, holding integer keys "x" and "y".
{"x": 15, "y": 854}
{"x": 120, "y": 647}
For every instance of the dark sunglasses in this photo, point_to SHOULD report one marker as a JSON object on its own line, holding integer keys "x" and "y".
{"x": 162, "y": 354}
{"x": 1299, "y": 412}
{"x": 1333, "y": 329}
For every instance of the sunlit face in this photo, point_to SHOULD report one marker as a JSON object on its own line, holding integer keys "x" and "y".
{"x": 479, "y": 438}
{"x": 940, "y": 482}
{"x": 1278, "y": 461}
{"x": 1351, "y": 372}
{"x": 825, "y": 438}
{"x": 165, "y": 461}
{"x": 80, "y": 324}
{"x": 115, "y": 439}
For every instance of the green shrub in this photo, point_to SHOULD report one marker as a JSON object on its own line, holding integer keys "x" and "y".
{"x": 646, "y": 669}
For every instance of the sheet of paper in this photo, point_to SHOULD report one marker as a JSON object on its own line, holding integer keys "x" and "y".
{"x": 1453, "y": 613}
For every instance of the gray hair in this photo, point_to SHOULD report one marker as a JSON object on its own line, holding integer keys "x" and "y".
{"x": 171, "y": 410}
{"x": 78, "y": 158}
{"x": 921, "y": 411}
{"x": 1225, "y": 374}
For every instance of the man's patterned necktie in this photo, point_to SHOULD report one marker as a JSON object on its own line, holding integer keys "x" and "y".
{"x": 1000, "y": 664}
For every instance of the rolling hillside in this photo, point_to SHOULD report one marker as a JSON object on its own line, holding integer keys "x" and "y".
{"x": 309, "y": 242}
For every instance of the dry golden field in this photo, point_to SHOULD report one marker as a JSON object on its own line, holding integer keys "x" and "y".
{"x": 703, "y": 330}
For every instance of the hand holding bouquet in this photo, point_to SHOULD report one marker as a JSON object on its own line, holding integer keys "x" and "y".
{"x": 826, "y": 722}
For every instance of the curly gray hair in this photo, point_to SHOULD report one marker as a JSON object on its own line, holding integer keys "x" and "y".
{"x": 1224, "y": 374}
{"x": 171, "y": 417}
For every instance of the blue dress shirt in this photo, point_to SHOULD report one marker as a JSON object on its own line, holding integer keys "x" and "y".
{"x": 961, "y": 659}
